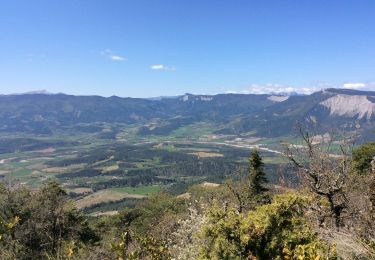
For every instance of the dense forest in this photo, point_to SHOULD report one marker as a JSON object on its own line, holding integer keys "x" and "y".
{"x": 327, "y": 214}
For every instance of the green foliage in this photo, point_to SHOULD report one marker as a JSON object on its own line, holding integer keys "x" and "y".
{"x": 274, "y": 231}
{"x": 153, "y": 248}
{"x": 140, "y": 226}
{"x": 121, "y": 248}
{"x": 223, "y": 235}
{"x": 40, "y": 224}
{"x": 146, "y": 247}
{"x": 8, "y": 246}
{"x": 362, "y": 157}
{"x": 257, "y": 175}
{"x": 156, "y": 210}
{"x": 249, "y": 190}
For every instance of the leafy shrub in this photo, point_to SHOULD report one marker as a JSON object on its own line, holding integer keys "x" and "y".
{"x": 273, "y": 231}
{"x": 362, "y": 157}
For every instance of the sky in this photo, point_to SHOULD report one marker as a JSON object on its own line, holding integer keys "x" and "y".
{"x": 149, "y": 48}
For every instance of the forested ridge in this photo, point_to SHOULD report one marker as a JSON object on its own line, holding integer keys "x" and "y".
{"x": 228, "y": 114}
{"x": 328, "y": 214}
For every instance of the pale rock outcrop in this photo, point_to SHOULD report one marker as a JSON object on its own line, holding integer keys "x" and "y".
{"x": 277, "y": 98}
{"x": 350, "y": 106}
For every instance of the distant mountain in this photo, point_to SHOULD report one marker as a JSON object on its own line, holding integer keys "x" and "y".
{"x": 42, "y": 91}
{"x": 260, "y": 115}
{"x": 324, "y": 110}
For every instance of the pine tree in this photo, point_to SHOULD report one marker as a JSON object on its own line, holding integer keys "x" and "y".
{"x": 257, "y": 176}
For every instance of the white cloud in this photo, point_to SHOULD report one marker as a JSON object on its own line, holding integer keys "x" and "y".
{"x": 161, "y": 67}
{"x": 356, "y": 85}
{"x": 279, "y": 89}
{"x": 231, "y": 92}
{"x": 157, "y": 67}
{"x": 117, "y": 58}
{"x": 112, "y": 56}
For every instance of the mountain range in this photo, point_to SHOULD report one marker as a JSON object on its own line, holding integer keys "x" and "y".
{"x": 259, "y": 115}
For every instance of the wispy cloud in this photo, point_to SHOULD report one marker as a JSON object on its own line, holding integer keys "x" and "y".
{"x": 162, "y": 67}
{"x": 112, "y": 56}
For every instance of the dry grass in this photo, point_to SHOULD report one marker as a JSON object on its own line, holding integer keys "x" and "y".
{"x": 184, "y": 196}
{"x": 105, "y": 196}
{"x": 64, "y": 169}
{"x": 210, "y": 184}
{"x": 103, "y": 161}
{"x": 105, "y": 213}
{"x": 110, "y": 168}
{"x": 81, "y": 190}
{"x": 46, "y": 150}
{"x": 206, "y": 154}
{"x": 158, "y": 146}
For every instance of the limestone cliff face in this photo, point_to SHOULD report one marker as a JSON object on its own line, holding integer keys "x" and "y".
{"x": 350, "y": 106}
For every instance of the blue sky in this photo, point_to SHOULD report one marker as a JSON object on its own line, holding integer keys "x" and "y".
{"x": 144, "y": 48}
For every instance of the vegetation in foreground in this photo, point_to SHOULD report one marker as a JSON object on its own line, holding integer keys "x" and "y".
{"x": 329, "y": 216}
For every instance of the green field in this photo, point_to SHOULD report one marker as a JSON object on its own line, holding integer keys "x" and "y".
{"x": 132, "y": 164}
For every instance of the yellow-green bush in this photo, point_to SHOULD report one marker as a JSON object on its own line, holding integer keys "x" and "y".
{"x": 273, "y": 231}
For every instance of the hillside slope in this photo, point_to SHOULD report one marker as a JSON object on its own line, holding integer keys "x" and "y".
{"x": 262, "y": 115}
